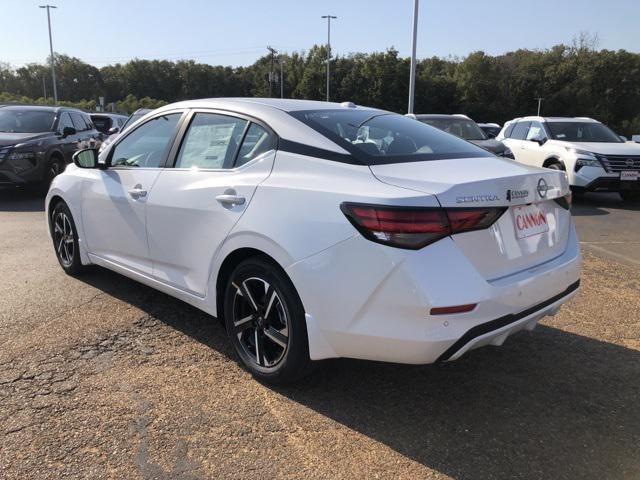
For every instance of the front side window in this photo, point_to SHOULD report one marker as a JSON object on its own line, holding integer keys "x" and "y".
{"x": 520, "y": 131}
{"x": 211, "y": 141}
{"x": 65, "y": 122}
{"x": 582, "y": 132}
{"x": 536, "y": 131}
{"x": 79, "y": 122}
{"x": 25, "y": 121}
{"x": 460, "y": 127}
{"x": 103, "y": 124}
{"x": 375, "y": 137}
{"x": 147, "y": 145}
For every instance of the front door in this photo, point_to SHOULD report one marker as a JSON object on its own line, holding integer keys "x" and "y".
{"x": 115, "y": 199}
{"x": 194, "y": 206}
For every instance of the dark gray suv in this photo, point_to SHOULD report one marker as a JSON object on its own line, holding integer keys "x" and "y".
{"x": 37, "y": 142}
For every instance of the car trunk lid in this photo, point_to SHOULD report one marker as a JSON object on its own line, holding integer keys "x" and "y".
{"x": 534, "y": 227}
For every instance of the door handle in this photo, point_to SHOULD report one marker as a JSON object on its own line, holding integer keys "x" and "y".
{"x": 230, "y": 199}
{"x": 137, "y": 192}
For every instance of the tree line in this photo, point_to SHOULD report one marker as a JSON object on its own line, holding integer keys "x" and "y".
{"x": 573, "y": 80}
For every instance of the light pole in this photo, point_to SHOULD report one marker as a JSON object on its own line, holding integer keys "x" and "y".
{"x": 53, "y": 68}
{"x": 539, "y": 103}
{"x": 281, "y": 77}
{"x": 412, "y": 73}
{"x": 328, "y": 17}
{"x": 272, "y": 51}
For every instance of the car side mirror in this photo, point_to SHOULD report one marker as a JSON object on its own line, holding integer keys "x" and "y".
{"x": 113, "y": 130}
{"x": 539, "y": 140}
{"x": 87, "y": 158}
{"x": 66, "y": 131}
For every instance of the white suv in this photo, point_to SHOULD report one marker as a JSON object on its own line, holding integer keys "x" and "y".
{"x": 592, "y": 155}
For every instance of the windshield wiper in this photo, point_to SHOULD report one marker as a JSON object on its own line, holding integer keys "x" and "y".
{"x": 368, "y": 119}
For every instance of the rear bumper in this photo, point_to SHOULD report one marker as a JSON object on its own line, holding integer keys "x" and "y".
{"x": 384, "y": 314}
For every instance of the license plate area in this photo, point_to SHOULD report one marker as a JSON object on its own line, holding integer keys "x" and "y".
{"x": 629, "y": 175}
{"x": 530, "y": 220}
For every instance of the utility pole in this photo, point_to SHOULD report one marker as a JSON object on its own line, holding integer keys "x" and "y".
{"x": 281, "y": 77}
{"x": 412, "y": 73}
{"x": 328, "y": 17}
{"x": 539, "y": 103}
{"x": 44, "y": 89}
{"x": 273, "y": 51}
{"x": 53, "y": 68}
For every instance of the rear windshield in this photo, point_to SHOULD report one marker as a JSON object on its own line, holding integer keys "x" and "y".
{"x": 582, "y": 132}
{"x": 25, "y": 121}
{"x": 460, "y": 127}
{"x": 374, "y": 137}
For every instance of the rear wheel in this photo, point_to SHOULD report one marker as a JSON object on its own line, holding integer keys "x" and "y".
{"x": 265, "y": 322}
{"x": 631, "y": 196}
{"x": 65, "y": 239}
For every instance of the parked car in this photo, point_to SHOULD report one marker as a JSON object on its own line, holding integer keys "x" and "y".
{"x": 318, "y": 230}
{"x": 463, "y": 127}
{"x": 36, "y": 143}
{"x": 108, "y": 123}
{"x": 592, "y": 155}
{"x": 134, "y": 117}
{"x": 490, "y": 129}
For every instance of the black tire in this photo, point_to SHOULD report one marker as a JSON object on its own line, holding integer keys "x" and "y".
{"x": 265, "y": 322}
{"x": 555, "y": 166}
{"x": 631, "y": 196}
{"x": 55, "y": 166}
{"x": 65, "y": 239}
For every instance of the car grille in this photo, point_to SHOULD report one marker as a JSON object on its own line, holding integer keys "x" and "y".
{"x": 618, "y": 163}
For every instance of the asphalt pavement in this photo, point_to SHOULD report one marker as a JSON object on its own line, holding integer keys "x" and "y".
{"x": 101, "y": 377}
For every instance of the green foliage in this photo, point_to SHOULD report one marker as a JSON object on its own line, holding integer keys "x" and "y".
{"x": 574, "y": 80}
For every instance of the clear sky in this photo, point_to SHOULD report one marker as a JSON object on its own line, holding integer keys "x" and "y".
{"x": 237, "y": 32}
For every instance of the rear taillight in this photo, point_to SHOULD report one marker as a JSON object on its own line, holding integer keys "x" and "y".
{"x": 416, "y": 227}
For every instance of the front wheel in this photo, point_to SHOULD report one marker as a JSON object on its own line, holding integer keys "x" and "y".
{"x": 631, "y": 196}
{"x": 65, "y": 239}
{"x": 265, "y": 321}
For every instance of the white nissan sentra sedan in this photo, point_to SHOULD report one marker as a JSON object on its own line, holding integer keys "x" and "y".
{"x": 319, "y": 230}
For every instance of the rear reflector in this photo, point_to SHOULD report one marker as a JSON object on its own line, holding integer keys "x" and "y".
{"x": 416, "y": 227}
{"x": 453, "y": 309}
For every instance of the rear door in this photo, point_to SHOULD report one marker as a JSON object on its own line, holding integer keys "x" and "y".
{"x": 193, "y": 206}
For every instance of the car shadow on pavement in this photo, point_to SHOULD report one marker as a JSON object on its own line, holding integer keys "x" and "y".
{"x": 547, "y": 404}
{"x": 21, "y": 200}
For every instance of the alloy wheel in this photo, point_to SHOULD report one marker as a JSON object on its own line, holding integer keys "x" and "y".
{"x": 260, "y": 322}
{"x": 63, "y": 239}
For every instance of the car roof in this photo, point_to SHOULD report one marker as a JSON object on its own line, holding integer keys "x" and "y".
{"x": 275, "y": 113}
{"x": 41, "y": 108}
{"x": 443, "y": 116}
{"x": 107, "y": 114}
{"x": 534, "y": 118}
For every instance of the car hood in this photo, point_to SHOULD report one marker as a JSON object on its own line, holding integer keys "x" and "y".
{"x": 14, "y": 138}
{"x": 627, "y": 148}
{"x": 490, "y": 144}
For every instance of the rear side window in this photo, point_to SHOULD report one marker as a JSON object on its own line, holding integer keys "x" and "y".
{"x": 374, "y": 137}
{"x": 520, "y": 130}
{"x": 211, "y": 141}
{"x": 256, "y": 142}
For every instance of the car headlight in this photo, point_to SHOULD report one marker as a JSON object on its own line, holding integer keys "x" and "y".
{"x": 587, "y": 162}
